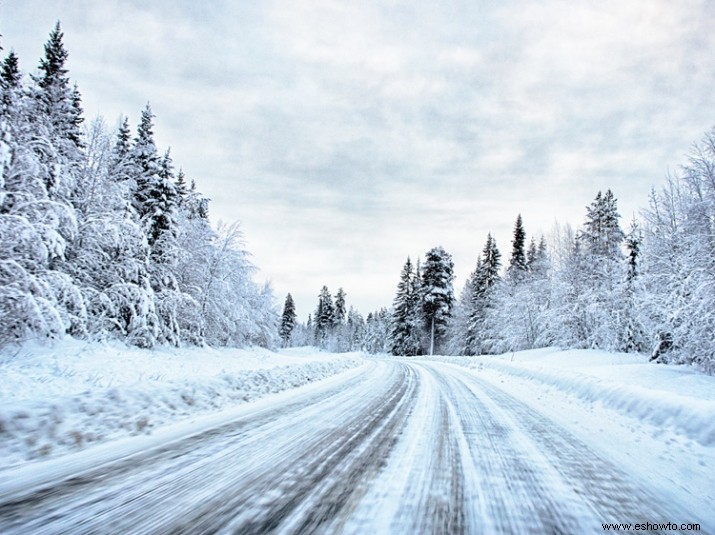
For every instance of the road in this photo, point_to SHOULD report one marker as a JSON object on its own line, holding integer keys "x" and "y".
{"x": 402, "y": 447}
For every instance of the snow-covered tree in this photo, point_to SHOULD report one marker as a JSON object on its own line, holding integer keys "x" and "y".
{"x": 288, "y": 321}
{"x": 377, "y": 329}
{"x": 480, "y": 298}
{"x": 518, "y": 264}
{"x": 324, "y": 318}
{"x": 678, "y": 262}
{"x": 97, "y": 238}
{"x": 437, "y": 295}
{"x": 406, "y": 324}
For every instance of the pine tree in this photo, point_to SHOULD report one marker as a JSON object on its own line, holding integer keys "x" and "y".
{"x": 340, "y": 312}
{"x": 483, "y": 281}
{"x": 119, "y": 160}
{"x": 518, "y": 264}
{"x": 57, "y": 100}
{"x": 602, "y": 235}
{"x": 437, "y": 295}
{"x": 288, "y": 321}
{"x": 10, "y": 80}
{"x": 155, "y": 197}
{"x": 633, "y": 246}
{"x": 324, "y": 318}
{"x": 404, "y": 337}
{"x": 635, "y": 337}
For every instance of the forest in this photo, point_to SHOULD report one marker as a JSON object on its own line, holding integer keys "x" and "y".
{"x": 101, "y": 237}
{"x": 648, "y": 290}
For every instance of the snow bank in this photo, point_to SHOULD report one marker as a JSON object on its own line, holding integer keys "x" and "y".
{"x": 672, "y": 397}
{"x": 62, "y": 399}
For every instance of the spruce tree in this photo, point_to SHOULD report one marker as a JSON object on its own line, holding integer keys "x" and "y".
{"x": 324, "y": 318}
{"x": 483, "y": 281}
{"x": 437, "y": 295}
{"x": 57, "y": 100}
{"x": 288, "y": 321}
{"x": 518, "y": 263}
{"x": 404, "y": 338}
{"x": 340, "y": 312}
{"x": 602, "y": 235}
{"x": 155, "y": 196}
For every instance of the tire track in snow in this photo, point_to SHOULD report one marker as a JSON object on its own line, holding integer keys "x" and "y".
{"x": 302, "y": 463}
{"x": 406, "y": 447}
{"x": 592, "y": 486}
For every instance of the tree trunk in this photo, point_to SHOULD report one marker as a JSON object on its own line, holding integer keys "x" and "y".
{"x": 431, "y": 342}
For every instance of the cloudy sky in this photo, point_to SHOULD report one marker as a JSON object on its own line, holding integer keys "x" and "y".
{"x": 347, "y": 135}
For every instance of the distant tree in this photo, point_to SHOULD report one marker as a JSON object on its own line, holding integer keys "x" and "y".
{"x": 601, "y": 235}
{"x": 288, "y": 320}
{"x": 437, "y": 295}
{"x": 405, "y": 324}
{"x": 482, "y": 283}
{"x": 355, "y": 329}
{"x": 635, "y": 332}
{"x": 518, "y": 263}
{"x": 377, "y": 329}
{"x": 340, "y": 311}
{"x": 633, "y": 242}
{"x": 324, "y": 318}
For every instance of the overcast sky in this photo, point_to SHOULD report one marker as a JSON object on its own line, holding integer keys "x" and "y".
{"x": 347, "y": 135}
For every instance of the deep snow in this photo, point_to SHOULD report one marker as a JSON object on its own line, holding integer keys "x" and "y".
{"x": 62, "y": 399}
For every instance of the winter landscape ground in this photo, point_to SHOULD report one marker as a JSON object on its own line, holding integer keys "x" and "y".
{"x": 249, "y": 441}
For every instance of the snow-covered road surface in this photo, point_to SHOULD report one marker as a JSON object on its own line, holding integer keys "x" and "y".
{"x": 395, "y": 447}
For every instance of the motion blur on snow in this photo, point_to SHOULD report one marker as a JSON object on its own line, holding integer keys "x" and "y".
{"x": 360, "y": 443}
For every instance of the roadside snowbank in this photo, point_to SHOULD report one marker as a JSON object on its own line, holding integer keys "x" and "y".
{"x": 61, "y": 399}
{"x": 678, "y": 398}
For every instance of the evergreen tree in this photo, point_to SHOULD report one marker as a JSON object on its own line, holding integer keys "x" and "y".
{"x": 405, "y": 322}
{"x": 119, "y": 160}
{"x": 10, "y": 80}
{"x": 518, "y": 263}
{"x": 602, "y": 235}
{"x": 635, "y": 336}
{"x": 288, "y": 321}
{"x": 356, "y": 330}
{"x": 437, "y": 295}
{"x": 483, "y": 281}
{"x": 324, "y": 318}
{"x": 340, "y": 311}
{"x": 57, "y": 100}
{"x": 155, "y": 195}
{"x": 633, "y": 246}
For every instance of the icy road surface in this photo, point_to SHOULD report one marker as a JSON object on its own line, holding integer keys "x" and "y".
{"x": 395, "y": 447}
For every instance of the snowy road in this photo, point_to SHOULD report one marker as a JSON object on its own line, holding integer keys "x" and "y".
{"x": 401, "y": 447}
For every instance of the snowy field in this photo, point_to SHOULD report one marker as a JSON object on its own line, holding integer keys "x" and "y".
{"x": 62, "y": 399}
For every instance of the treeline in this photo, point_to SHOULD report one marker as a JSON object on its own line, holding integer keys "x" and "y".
{"x": 101, "y": 237}
{"x": 650, "y": 289}
{"x": 333, "y": 328}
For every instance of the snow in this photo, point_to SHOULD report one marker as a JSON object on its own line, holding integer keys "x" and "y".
{"x": 531, "y": 441}
{"x": 678, "y": 398}
{"x": 61, "y": 399}
{"x": 656, "y": 421}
